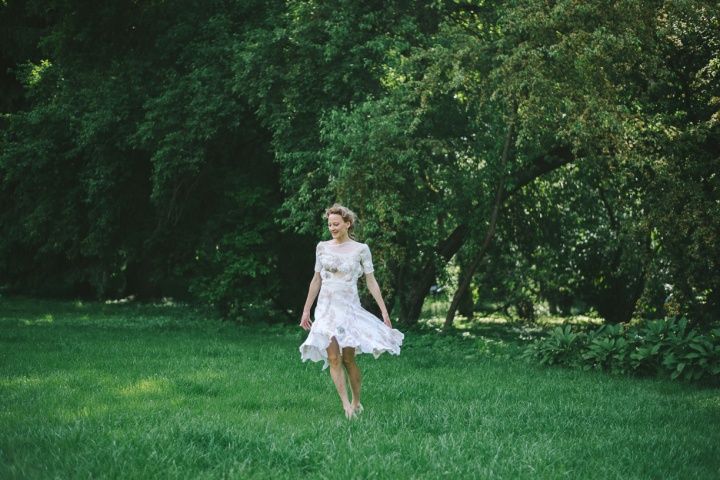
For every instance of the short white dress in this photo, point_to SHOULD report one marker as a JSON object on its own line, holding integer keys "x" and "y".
{"x": 338, "y": 312}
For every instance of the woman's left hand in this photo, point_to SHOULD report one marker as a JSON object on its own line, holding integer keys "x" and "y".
{"x": 386, "y": 319}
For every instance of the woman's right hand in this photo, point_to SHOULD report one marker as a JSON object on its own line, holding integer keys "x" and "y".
{"x": 306, "y": 323}
{"x": 386, "y": 319}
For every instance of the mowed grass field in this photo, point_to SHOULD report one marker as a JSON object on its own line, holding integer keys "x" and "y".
{"x": 128, "y": 391}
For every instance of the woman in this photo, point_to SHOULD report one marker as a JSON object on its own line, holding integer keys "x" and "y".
{"x": 342, "y": 327}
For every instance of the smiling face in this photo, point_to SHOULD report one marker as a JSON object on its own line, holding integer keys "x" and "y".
{"x": 338, "y": 228}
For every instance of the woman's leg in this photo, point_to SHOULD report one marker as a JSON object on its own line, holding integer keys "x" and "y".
{"x": 353, "y": 371}
{"x": 338, "y": 375}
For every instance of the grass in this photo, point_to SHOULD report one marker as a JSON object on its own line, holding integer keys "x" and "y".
{"x": 128, "y": 391}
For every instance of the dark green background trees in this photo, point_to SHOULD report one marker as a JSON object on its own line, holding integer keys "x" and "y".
{"x": 190, "y": 149}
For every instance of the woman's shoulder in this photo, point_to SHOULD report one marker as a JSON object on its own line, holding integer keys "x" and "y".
{"x": 324, "y": 243}
{"x": 361, "y": 246}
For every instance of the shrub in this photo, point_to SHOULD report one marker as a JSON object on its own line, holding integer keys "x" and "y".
{"x": 563, "y": 347}
{"x": 609, "y": 349}
{"x": 660, "y": 347}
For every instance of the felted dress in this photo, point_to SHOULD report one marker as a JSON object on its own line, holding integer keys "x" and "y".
{"x": 338, "y": 312}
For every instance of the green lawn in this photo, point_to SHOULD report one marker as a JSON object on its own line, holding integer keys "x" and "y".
{"x": 123, "y": 391}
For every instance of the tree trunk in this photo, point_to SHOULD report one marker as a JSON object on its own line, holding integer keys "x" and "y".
{"x": 499, "y": 196}
{"x": 466, "y": 306}
{"x": 416, "y": 299}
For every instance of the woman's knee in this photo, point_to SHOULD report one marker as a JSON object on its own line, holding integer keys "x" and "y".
{"x": 333, "y": 352}
{"x": 334, "y": 360}
{"x": 348, "y": 360}
{"x": 334, "y": 357}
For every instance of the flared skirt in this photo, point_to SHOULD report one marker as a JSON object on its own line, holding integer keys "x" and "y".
{"x": 339, "y": 315}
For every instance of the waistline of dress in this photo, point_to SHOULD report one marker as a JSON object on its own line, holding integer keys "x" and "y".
{"x": 338, "y": 284}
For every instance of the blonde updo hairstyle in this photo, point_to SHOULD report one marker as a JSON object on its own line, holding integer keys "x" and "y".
{"x": 347, "y": 216}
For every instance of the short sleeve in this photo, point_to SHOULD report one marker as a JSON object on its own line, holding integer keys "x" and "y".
{"x": 318, "y": 265}
{"x": 366, "y": 260}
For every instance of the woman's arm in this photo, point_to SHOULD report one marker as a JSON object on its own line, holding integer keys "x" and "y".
{"x": 374, "y": 289}
{"x": 313, "y": 291}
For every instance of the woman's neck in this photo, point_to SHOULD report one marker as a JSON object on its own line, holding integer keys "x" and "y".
{"x": 343, "y": 240}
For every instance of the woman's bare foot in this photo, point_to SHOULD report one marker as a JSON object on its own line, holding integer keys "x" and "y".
{"x": 358, "y": 409}
{"x": 349, "y": 412}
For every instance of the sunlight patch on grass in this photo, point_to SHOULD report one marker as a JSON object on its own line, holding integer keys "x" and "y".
{"x": 45, "y": 319}
{"x": 22, "y": 381}
{"x": 147, "y": 386}
{"x": 119, "y": 301}
{"x": 710, "y": 402}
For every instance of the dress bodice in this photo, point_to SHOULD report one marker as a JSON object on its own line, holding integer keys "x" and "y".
{"x": 343, "y": 263}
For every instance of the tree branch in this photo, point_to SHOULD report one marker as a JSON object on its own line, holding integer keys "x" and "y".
{"x": 546, "y": 163}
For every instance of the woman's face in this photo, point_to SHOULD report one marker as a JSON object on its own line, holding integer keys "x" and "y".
{"x": 338, "y": 228}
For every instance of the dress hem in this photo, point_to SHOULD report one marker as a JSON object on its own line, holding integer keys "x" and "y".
{"x": 317, "y": 353}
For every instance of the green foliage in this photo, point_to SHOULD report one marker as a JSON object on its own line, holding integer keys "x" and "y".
{"x": 426, "y": 139}
{"x": 137, "y": 166}
{"x": 658, "y": 347}
{"x": 233, "y": 268}
{"x": 684, "y": 353}
{"x": 608, "y": 349}
{"x": 563, "y": 347}
{"x": 149, "y": 150}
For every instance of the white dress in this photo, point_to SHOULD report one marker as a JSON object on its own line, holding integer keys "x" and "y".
{"x": 338, "y": 312}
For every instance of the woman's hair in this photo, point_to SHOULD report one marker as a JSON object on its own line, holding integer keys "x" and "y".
{"x": 346, "y": 214}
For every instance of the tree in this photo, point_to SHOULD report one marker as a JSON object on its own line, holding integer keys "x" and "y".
{"x": 419, "y": 152}
{"x": 137, "y": 166}
{"x": 154, "y": 150}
